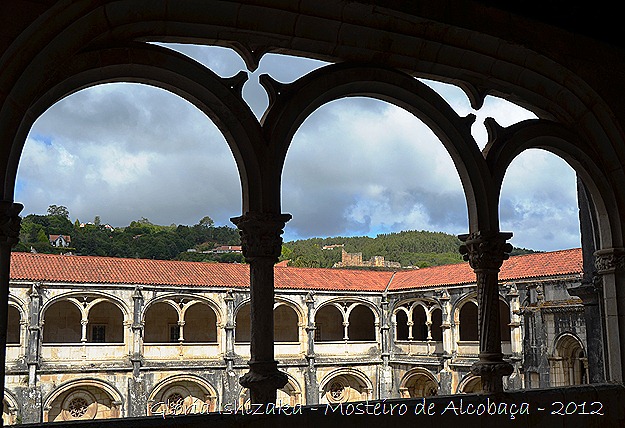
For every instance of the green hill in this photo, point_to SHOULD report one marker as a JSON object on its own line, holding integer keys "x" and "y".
{"x": 409, "y": 248}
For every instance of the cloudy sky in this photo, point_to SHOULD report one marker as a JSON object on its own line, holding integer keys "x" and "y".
{"x": 356, "y": 167}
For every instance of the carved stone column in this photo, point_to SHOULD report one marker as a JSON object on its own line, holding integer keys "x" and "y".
{"x": 610, "y": 265}
{"x": 310, "y": 375}
{"x": 137, "y": 332}
{"x": 9, "y": 236}
{"x": 262, "y": 244}
{"x": 486, "y": 252}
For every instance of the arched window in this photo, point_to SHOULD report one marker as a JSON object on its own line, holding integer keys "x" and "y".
{"x": 361, "y": 324}
{"x": 468, "y": 322}
{"x": 13, "y": 326}
{"x": 436, "y": 328}
{"x": 401, "y": 325}
{"x": 243, "y": 324}
{"x": 161, "y": 324}
{"x": 568, "y": 365}
{"x": 504, "y": 321}
{"x": 106, "y": 324}
{"x": 62, "y": 323}
{"x": 419, "y": 327}
{"x": 343, "y": 388}
{"x": 329, "y": 324}
{"x": 419, "y": 384}
{"x": 285, "y": 324}
{"x": 200, "y": 324}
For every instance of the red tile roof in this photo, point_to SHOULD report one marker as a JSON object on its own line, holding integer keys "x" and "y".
{"x": 109, "y": 270}
{"x": 556, "y": 263}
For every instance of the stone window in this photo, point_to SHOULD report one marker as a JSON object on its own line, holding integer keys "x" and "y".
{"x": 98, "y": 333}
{"x": 79, "y": 405}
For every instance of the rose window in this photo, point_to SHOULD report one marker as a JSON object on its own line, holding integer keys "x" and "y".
{"x": 78, "y": 407}
{"x": 337, "y": 391}
{"x": 175, "y": 398}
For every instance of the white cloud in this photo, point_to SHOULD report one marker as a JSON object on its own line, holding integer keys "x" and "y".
{"x": 356, "y": 166}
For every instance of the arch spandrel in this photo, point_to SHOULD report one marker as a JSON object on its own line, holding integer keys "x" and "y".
{"x": 507, "y": 143}
{"x": 219, "y": 98}
{"x": 291, "y": 104}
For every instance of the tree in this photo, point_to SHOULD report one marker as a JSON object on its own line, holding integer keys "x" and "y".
{"x": 206, "y": 222}
{"x": 59, "y": 210}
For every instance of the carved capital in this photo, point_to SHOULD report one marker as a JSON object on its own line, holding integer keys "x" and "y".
{"x": 10, "y": 223}
{"x": 263, "y": 380}
{"x": 491, "y": 374}
{"x": 261, "y": 234}
{"x": 609, "y": 260}
{"x": 485, "y": 250}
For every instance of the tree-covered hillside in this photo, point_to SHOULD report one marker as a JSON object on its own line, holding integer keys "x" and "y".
{"x": 409, "y": 248}
{"x": 143, "y": 239}
{"x": 140, "y": 239}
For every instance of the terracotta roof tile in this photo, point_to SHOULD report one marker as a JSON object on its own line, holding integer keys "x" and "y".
{"x": 109, "y": 270}
{"x": 564, "y": 262}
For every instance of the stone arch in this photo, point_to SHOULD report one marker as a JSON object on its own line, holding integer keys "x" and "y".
{"x": 62, "y": 321}
{"x": 161, "y": 322}
{"x": 343, "y": 385}
{"x": 507, "y": 143}
{"x": 290, "y": 394}
{"x": 418, "y": 382}
{"x": 83, "y": 399}
{"x": 362, "y": 323}
{"x": 419, "y": 319}
{"x": 200, "y": 322}
{"x": 468, "y": 321}
{"x": 401, "y": 323}
{"x": 436, "y": 329}
{"x": 243, "y": 323}
{"x": 291, "y": 104}
{"x": 106, "y": 323}
{"x": 182, "y": 394}
{"x": 14, "y": 324}
{"x": 471, "y": 320}
{"x": 286, "y": 323}
{"x": 470, "y": 384}
{"x": 217, "y": 97}
{"x": 329, "y": 320}
{"x": 504, "y": 320}
{"x": 10, "y": 409}
{"x": 568, "y": 363}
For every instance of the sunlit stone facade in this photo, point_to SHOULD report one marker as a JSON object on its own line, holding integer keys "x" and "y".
{"x": 93, "y": 337}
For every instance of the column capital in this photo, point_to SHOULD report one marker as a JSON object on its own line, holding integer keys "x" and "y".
{"x": 261, "y": 234}
{"x": 263, "y": 380}
{"x": 10, "y": 222}
{"x": 485, "y": 250}
{"x": 609, "y": 260}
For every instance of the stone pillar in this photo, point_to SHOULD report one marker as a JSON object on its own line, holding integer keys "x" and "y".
{"x": 262, "y": 244}
{"x": 137, "y": 332}
{"x": 34, "y": 335}
{"x": 310, "y": 375}
{"x": 590, "y": 289}
{"x": 610, "y": 265}
{"x": 9, "y": 236}
{"x": 485, "y": 252}
{"x": 386, "y": 372}
{"x": 445, "y": 375}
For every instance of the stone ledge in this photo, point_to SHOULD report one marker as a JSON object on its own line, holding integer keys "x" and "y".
{"x": 518, "y": 410}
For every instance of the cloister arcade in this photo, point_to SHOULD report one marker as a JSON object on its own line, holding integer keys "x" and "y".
{"x": 186, "y": 344}
{"x": 568, "y": 71}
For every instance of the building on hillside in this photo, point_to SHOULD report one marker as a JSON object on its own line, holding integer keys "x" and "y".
{"x": 97, "y": 337}
{"x": 60, "y": 240}
{"x": 222, "y": 249}
{"x": 355, "y": 260}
